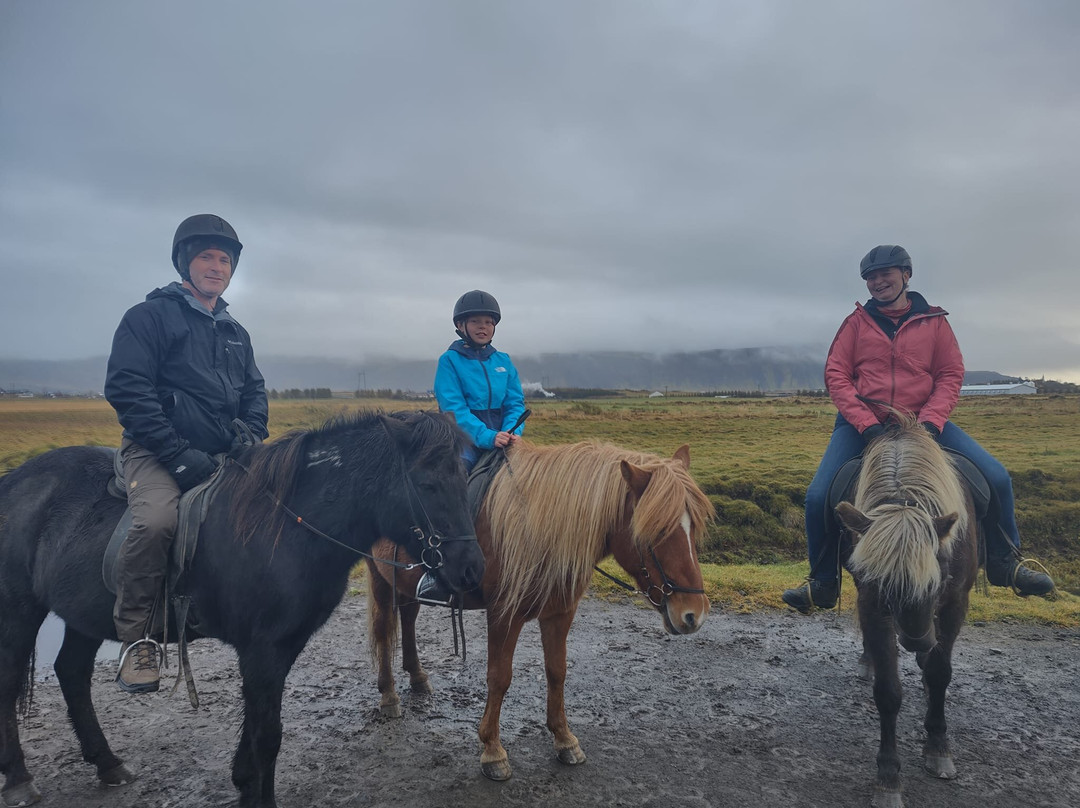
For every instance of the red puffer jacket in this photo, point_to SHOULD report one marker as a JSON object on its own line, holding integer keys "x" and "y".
{"x": 919, "y": 370}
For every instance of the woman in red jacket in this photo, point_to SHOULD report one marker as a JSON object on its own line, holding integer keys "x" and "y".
{"x": 900, "y": 350}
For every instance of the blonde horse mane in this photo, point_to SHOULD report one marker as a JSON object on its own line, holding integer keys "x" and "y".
{"x": 551, "y": 510}
{"x": 906, "y": 481}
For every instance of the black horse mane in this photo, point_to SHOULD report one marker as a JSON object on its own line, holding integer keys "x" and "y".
{"x": 418, "y": 437}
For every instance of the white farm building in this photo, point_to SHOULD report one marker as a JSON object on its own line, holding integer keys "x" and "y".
{"x": 1011, "y": 389}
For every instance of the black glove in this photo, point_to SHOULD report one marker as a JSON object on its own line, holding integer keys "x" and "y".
{"x": 871, "y": 432}
{"x": 191, "y": 467}
{"x": 935, "y": 433}
{"x": 244, "y": 437}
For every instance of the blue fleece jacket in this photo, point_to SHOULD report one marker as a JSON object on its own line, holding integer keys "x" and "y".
{"x": 480, "y": 386}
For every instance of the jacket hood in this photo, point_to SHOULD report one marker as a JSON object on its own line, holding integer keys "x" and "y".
{"x": 470, "y": 352}
{"x": 918, "y": 305}
{"x": 176, "y": 291}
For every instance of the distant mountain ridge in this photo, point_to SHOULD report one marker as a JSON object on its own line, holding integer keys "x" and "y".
{"x": 765, "y": 369}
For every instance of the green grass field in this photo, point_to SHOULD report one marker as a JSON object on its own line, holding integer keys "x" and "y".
{"x": 754, "y": 457}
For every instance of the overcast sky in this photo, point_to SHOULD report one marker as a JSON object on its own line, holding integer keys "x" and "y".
{"x": 662, "y": 175}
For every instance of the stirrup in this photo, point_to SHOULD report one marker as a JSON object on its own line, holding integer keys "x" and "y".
{"x": 433, "y": 592}
{"x": 1023, "y": 564}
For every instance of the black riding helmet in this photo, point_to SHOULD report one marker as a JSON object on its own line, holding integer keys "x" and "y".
{"x": 476, "y": 302}
{"x": 884, "y": 257}
{"x": 204, "y": 230}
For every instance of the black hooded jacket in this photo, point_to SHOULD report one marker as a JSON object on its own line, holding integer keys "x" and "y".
{"x": 178, "y": 375}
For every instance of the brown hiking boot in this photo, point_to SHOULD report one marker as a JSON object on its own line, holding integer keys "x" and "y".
{"x": 139, "y": 666}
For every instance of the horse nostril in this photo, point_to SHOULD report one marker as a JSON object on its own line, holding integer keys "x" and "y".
{"x": 690, "y": 620}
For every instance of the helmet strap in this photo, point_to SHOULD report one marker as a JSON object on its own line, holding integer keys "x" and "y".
{"x": 903, "y": 289}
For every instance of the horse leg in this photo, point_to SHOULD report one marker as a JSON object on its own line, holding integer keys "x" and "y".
{"x": 880, "y": 641}
{"x": 866, "y": 665}
{"x": 553, "y": 632}
{"x": 937, "y": 673}
{"x": 382, "y": 625}
{"x": 502, "y": 640}
{"x": 18, "y": 633}
{"x": 410, "y": 657}
{"x": 74, "y": 668}
{"x": 263, "y": 670}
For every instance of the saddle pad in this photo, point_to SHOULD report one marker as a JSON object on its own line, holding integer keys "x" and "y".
{"x": 193, "y": 507}
{"x": 842, "y": 487}
{"x": 481, "y": 476}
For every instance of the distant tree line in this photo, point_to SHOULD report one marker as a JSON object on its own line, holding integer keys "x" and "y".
{"x": 307, "y": 392}
{"x": 1051, "y": 386}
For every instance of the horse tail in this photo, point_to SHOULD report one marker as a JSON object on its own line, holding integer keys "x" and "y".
{"x": 382, "y": 618}
{"x": 25, "y": 700}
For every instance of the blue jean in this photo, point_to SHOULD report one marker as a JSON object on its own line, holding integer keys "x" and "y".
{"x": 469, "y": 455}
{"x": 846, "y": 443}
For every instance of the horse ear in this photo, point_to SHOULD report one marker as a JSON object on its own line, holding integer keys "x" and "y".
{"x": 852, "y": 518}
{"x": 635, "y": 477}
{"x": 398, "y": 431}
{"x": 944, "y": 524}
{"x": 682, "y": 454}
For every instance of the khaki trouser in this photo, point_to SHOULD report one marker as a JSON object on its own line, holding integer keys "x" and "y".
{"x": 141, "y": 564}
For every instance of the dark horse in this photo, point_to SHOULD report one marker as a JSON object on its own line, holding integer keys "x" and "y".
{"x": 260, "y": 579}
{"x": 914, "y": 562}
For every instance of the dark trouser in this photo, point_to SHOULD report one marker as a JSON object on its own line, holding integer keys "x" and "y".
{"x": 153, "y": 496}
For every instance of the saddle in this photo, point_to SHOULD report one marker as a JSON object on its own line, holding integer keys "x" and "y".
{"x": 491, "y": 460}
{"x": 842, "y": 487}
{"x": 193, "y": 507}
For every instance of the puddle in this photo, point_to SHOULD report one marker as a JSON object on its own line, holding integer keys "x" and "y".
{"x": 51, "y": 637}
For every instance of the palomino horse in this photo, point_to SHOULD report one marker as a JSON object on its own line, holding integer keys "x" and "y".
{"x": 914, "y": 562}
{"x": 550, "y": 515}
{"x": 274, "y": 555}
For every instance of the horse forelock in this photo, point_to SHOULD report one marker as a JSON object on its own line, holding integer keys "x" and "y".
{"x": 670, "y": 495}
{"x": 433, "y": 437}
{"x": 906, "y": 481}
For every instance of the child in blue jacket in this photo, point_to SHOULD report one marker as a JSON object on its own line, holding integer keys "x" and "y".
{"x": 477, "y": 383}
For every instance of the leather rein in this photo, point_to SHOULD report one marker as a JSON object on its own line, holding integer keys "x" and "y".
{"x": 657, "y": 594}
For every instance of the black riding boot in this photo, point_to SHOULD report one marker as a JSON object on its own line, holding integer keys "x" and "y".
{"x": 1003, "y": 566}
{"x": 432, "y": 591}
{"x": 812, "y": 594}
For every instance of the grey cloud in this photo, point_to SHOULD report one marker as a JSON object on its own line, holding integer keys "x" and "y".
{"x": 654, "y": 175}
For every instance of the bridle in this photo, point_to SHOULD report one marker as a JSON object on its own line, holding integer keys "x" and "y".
{"x": 657, "y": 594}
{"x": 431, "y": 541}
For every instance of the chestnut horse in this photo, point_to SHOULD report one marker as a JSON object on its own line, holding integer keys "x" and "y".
{"x": 914, "y": 562}
{"x": 551, "y": 514}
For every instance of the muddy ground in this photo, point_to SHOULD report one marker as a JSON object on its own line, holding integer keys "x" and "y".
{"x": 754, "y": 710}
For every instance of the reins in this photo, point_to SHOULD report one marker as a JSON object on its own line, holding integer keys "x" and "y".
{"x": 664, "y": 590}
{"x": 431, "y": 556}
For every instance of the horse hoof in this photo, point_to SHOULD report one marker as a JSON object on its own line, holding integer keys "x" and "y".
{"x": 942, "y": 767}
{"x": 865, "y": 672}
{"x": 20, "y": 795}
{"x": 497, "y": 770}
{"x": 421, "y": 687}
{"x": 887, "y": 799}
{"x": 117, "y": 776}
{"x": 390, "y": 710}
{"x": 571, "y": 756}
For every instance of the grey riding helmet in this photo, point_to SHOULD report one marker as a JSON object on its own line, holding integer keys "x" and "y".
{"x": 884, "y": 257}
{"x": 474, "y": 303}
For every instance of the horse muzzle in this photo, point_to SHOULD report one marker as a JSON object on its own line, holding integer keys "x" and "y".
{"x": 684, "y": 615}
{"x": 918, "y": 635}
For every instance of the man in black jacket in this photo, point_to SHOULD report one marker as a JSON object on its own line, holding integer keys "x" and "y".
{"x": 180, "y": 371}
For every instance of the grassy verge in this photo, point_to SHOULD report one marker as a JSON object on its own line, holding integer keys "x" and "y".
{"x": 753, "y": 457}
